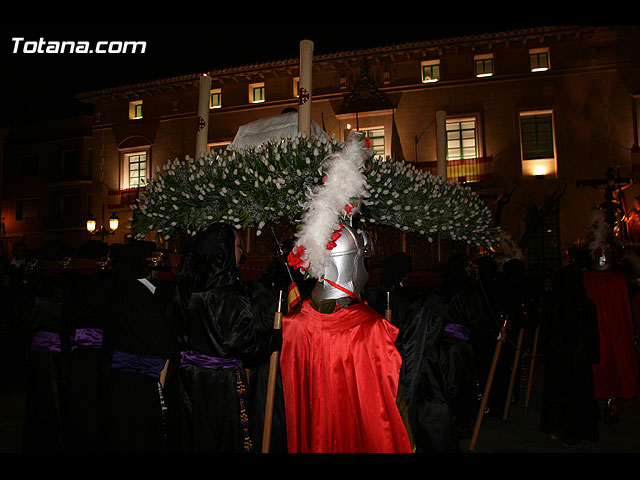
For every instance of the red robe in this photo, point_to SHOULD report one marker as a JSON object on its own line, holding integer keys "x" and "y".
{"x": 616, "y": 376}
{"x": 340, "y": 380}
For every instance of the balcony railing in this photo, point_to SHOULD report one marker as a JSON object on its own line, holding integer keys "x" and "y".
{"x": 123, "y": 198}
{"x": 467, "y": 170}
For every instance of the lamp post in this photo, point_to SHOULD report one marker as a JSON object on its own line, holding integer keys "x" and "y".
{"x": 102, "y": 231}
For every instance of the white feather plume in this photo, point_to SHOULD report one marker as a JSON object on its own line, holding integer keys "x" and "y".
{"x": 324, "y": 208}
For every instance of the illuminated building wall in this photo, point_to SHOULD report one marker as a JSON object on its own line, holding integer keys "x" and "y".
{"x": 536, "y": 110}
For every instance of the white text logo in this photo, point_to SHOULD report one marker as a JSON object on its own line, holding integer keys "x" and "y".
{"x": 20, "y": 45}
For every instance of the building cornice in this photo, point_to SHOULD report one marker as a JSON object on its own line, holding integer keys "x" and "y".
{"x": 323, "y": 61}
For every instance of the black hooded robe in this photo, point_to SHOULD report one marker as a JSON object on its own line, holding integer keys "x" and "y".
{"x": 39, "y": 310}
{"x": 570, "y": 341}
{"x": 438, "y": 375}
{"x": 140, "y": 341}
{"x": 207, "y": 383}
{"x": 86, "y": 315}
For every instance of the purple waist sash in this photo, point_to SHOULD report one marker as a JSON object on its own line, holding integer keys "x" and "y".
{"x": 205, "y": 361}
{"x": 145, "y": 364}
{"x": 87, "y": 338}
{"x": 456, "y": 330}
{"x": 49, "y": 341}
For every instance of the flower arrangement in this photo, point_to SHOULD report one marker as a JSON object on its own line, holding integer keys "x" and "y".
{"x": 244, "y": 188}
{"x": 256, "y": 185}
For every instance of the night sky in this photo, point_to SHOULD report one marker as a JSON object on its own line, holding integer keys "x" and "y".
{"x": 36, "y": 85}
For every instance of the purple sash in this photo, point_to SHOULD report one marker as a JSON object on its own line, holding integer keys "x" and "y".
{"x": 456, "y": 330}
{"x": 48, "y": 341}
{"x": 145, "y": 364}
{"x": 205, "y": 361}
{"x": 87, "y": 338}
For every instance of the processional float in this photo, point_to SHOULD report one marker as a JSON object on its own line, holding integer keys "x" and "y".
{"x": 253, "y": 186}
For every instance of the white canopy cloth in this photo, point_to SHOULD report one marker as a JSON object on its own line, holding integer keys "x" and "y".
{"x": 275, "y": 127}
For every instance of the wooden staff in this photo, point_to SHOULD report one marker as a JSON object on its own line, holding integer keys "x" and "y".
{"x": 514, "y": 371}
{"x": 533, "y": 362}
{"x": 487, "y": 387}
{"x": 387, "y": 312}
{"x": 271, "y": 383}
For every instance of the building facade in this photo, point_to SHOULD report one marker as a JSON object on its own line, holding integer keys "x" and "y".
{"x": 531, "y": 119}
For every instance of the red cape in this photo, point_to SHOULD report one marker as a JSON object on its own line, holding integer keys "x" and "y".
{"x": 340, "y": 380}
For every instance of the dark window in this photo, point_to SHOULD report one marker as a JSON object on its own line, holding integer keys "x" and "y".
{"x": 27, "y": 209}
{"x": 68, "y": 206}
{"x": 69, "y": 159}
{"x": 537, "y": 136}
{"x": 28, "y": 166}
{"x": 543, "y": 249}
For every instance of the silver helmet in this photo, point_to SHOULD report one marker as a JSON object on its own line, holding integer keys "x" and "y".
{"x": 345, "y": 266}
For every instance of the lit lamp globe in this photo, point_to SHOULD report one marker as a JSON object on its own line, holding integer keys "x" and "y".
{"x": 91, "y": 224}
{"x": 113, "y": 222}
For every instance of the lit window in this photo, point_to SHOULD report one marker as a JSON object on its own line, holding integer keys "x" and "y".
{"x": 537, "y": 143}
{"x": 539, "y": 59}
{"x": 215, "y": 98}
{"x": 137, "y": 168}
{"x": 135, "y": 110}
{"x": 430, "y": 71}
{"x": 461, "y": 139}
{"x": 483, "y": 65}
{"x": 376, "y": 137}
{"x": 256, "y": 92}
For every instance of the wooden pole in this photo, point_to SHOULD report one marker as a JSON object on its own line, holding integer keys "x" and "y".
{"x": 271, "y": 383}
{"x": 441, "y": 142}
{"x": 514, "y": 371}
{"x": 305, "y": 91}
{"x": 387, "y": 312}
{"x": 487, "y": 387}
{"x": 533, "y": 362}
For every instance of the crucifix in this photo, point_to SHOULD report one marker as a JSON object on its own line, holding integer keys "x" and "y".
{"x": 614, "y": 204}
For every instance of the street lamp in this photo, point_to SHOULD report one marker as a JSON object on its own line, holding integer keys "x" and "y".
{"x": 110, "y": 230}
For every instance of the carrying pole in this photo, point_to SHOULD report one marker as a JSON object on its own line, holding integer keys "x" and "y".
{"x": 305, "y": 90}
{"x": 514, "y": 371}
{"x": 271, "y": 383}
{"x": 533, "y": 362}
{"x": 487, "y": 387}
